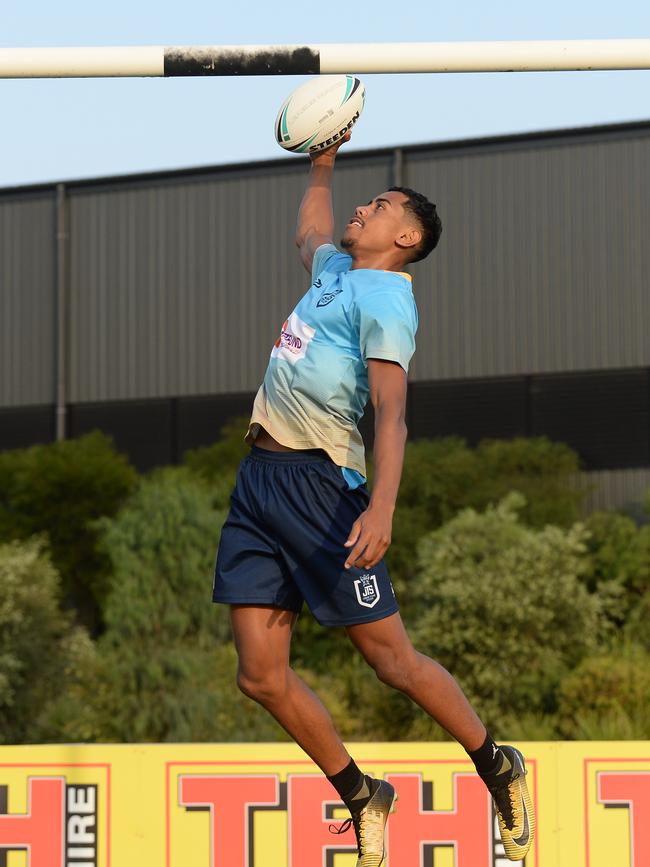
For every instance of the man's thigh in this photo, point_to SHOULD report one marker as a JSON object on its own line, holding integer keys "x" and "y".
{"x": 262, "y": 634}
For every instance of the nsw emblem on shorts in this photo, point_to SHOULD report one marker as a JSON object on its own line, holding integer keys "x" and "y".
{"x": 367, "y": 590}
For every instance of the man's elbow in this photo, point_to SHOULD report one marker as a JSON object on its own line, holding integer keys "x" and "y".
{"x": 392, "y": 416}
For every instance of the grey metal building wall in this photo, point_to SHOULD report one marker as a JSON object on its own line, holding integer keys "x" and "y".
{"x": 180, "y": 287}
{"x": 177, "y": 285}
{"x": 544, "y": 264}
{"x": 27, "y": 300}
{"x": 613, "y": 489}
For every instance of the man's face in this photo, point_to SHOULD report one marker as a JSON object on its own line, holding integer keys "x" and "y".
{"x": 377, "y": 226}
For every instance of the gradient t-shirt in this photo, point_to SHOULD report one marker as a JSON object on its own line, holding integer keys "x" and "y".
{"x": 316, "y": 384}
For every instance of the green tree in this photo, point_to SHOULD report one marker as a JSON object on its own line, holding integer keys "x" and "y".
{"x": 503, "y": 607}
{"x": 443, "y": 476}
{"x": 636, "y": 627}
{"x": 39, "y": 649}
{"x": 166, "y": 666}
{"x": 545, "y": 472}
{"x": 619, "y": 565}
{"x": 607, "y": 696}
{"x": 61, "y": 490}
{"x": 218, "y": 463}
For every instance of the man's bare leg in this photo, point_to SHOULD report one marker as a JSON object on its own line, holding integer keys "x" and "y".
{"x": 263, "y": 638}
{"x": 386, "y": 647}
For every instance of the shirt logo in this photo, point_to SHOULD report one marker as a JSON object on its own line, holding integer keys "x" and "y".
{"x": 318, "y": 283}
{"x": 326, "y": 297}
{"x": 367, "y": 591}
{"x": 294, "y": 339}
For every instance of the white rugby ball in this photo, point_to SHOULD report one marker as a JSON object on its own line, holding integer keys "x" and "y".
{"x": 319, "y": 113}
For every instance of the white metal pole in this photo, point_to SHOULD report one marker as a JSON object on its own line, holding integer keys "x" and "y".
{"x": 539, "y": 56}
{"x": 81, "y": 62}
{"x": 488, "y": 56}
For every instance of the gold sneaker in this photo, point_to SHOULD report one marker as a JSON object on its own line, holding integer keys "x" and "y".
{"x": 369, "y": 824}
{"x": 514, "y": 805}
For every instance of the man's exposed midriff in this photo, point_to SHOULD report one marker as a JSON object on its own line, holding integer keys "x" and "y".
{"x": 264, "y": 440}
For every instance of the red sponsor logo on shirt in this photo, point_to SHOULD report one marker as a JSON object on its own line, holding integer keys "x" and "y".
{"x": 288, "y": 340}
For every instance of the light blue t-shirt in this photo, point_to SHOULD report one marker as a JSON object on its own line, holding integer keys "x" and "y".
{"x": 316, "y": 384}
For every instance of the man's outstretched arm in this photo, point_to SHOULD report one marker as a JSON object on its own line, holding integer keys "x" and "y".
{"x": 315, "y": 217}
{"x": 371, "y": 533}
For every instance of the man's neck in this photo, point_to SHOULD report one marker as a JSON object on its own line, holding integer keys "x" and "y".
{"x": 376, "y": 263}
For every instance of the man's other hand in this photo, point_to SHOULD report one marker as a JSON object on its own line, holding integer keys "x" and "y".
{"x": 369, "y": 538}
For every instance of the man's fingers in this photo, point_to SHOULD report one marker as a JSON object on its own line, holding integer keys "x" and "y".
{"x": 366, "y": 553}
{"x": 356, "y": 553}
{"x": 368, "y": 542}
{"x": 372, "y": 554}
{"x": 354, "y": 533}
{"x": 332, "y": 149}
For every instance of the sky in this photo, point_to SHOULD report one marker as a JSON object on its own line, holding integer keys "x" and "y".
{"x": 57, "y": 130}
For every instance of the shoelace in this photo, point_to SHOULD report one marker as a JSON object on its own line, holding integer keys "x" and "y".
{"x": 370, "y": 835}
{"x": 340, "y": 829}
{"x": 512, "y": 814}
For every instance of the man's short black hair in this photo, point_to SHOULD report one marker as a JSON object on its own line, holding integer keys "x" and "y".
{"x": 427, "y": 217}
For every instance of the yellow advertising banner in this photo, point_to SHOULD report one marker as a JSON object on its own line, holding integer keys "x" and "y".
{"x": 266, "y": 805}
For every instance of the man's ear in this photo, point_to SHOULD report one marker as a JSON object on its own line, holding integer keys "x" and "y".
{"x": 409, "y": 238}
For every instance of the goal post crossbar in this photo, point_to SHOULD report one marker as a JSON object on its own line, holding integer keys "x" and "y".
{"x": 362, "y": 58}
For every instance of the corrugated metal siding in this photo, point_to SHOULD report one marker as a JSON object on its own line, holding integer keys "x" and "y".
{"x": 180, "y": 288}
{"x": 178, "y": 285}
{"x": 616, "y": 489}
{"x": 544, "y": 261}
{"x": 27, "y": 301}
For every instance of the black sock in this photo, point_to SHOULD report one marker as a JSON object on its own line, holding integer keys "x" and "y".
{"x": 353, "y": 787}
{"x": 487, "y": 758}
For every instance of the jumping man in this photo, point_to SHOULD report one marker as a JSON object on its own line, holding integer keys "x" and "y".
{"x": 302, "y": 525}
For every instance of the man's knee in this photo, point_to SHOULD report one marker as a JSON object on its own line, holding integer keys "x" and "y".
{"x": 262, "y": 686}
{"x": 393, "y": 668}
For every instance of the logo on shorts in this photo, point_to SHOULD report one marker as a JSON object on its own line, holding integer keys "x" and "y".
{"x": 367, "y": 591}
{"x": 326, "y": 297}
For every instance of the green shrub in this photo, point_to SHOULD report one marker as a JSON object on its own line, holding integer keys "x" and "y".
{"x": 620, "y": 552}
{"x": 39, "y": 649}
{"x": 543, "y": 471}
{"x": 443, "y": 476}
{"x": 607, "y": 696}
{"x": 161, "y": 547}
{"x": 166, "y": 668}
{"x": 636, "y": 627}
{"x": 619, "y": 569}
{"x": 503, "y": 607}
{"x": 60, "y": 490}
{"x": 218, "y": 463}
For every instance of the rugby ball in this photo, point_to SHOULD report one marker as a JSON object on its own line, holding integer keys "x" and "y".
{"x": 319, "y": 113}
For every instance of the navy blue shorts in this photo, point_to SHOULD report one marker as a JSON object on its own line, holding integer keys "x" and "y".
{"x": 283, "y": 541}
